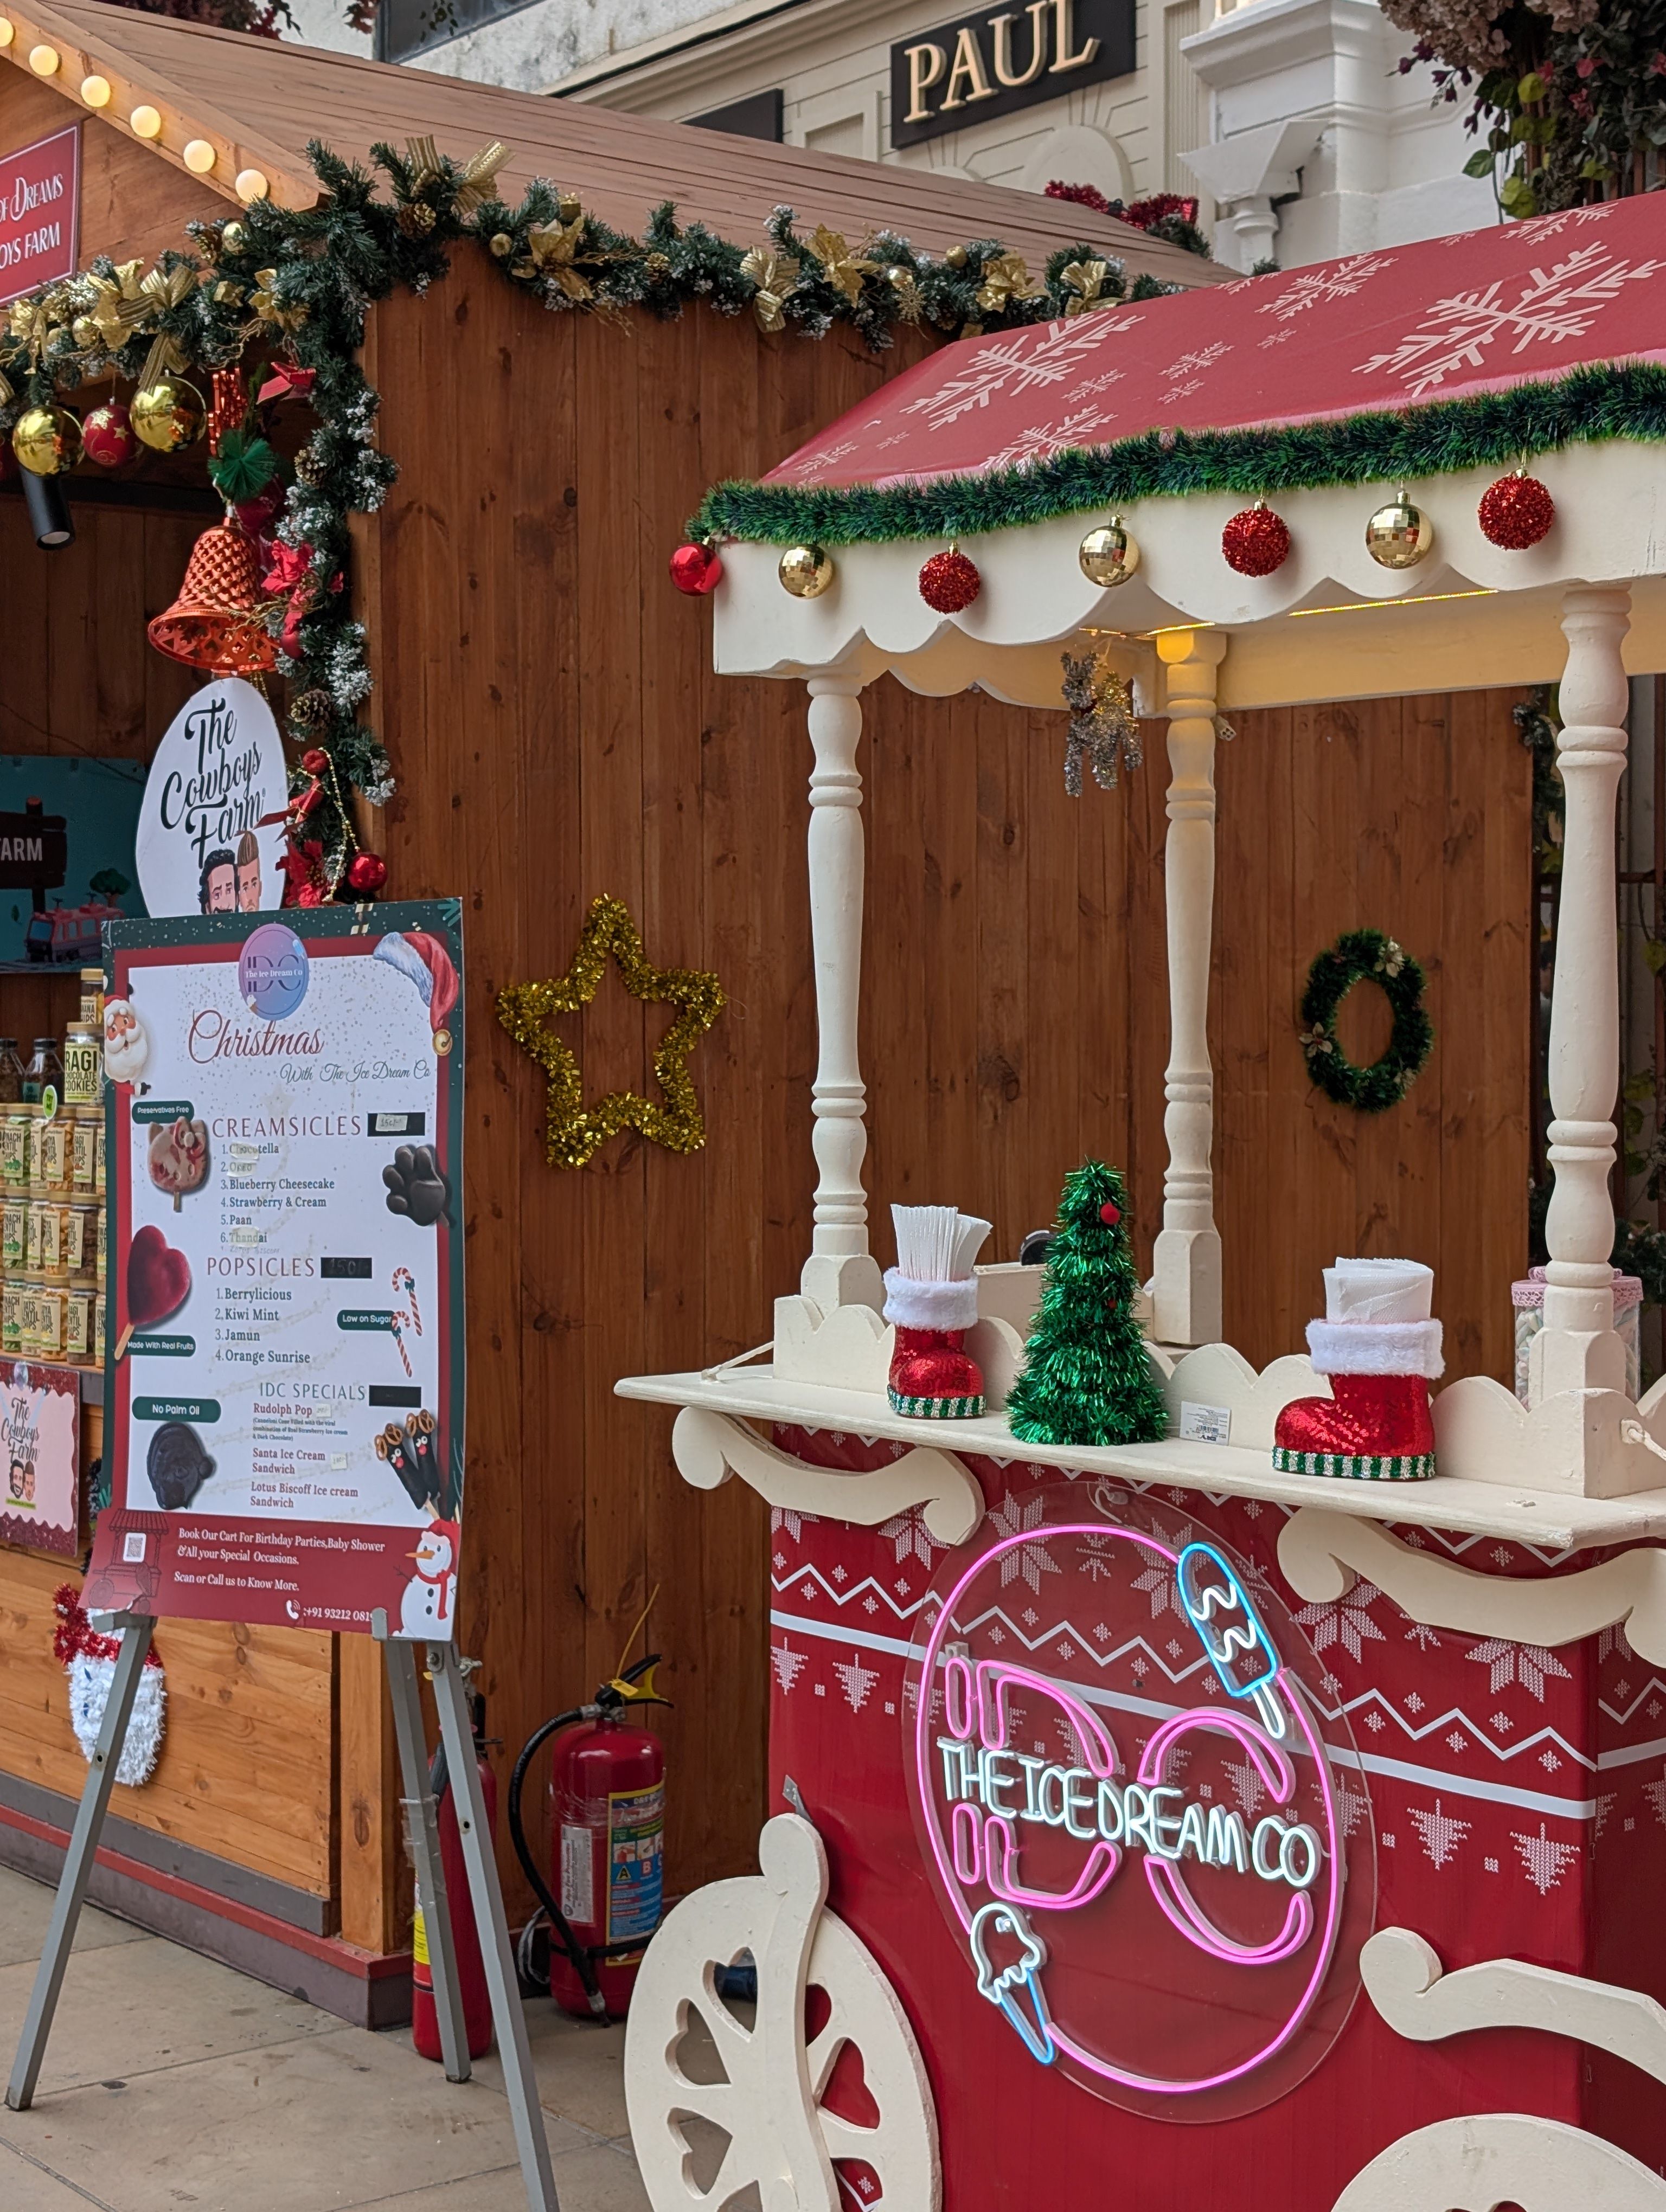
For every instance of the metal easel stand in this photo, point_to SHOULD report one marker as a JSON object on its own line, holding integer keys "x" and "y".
{"x": 135, "y": 1630}
{"x": 520, "y": 2084}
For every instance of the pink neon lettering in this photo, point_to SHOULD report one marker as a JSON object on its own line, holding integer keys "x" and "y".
{"x": 1001, "y": 1849}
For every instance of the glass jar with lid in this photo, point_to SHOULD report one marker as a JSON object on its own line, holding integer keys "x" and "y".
{"x": 45, "y": 1072}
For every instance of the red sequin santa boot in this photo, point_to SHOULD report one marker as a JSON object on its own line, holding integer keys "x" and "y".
{"x": 1381, "y": 1351}
{"x": 931, "y": 1298}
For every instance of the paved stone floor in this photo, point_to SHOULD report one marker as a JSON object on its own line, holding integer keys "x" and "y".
{"x": 175, "y": 2085}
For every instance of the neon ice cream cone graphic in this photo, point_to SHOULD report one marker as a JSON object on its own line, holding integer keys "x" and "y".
{"x": 1009, "y": 1957}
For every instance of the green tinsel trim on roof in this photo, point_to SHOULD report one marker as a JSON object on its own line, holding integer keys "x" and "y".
{"x": 1494, "y": 429}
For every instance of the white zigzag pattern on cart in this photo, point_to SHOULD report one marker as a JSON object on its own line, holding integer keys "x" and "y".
{"x": 1064, "y": 1631}
{"x": 1453, "y": 1784}
{"x": 1621, "y": 1715}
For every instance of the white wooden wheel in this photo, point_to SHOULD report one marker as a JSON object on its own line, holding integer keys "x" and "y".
{"x": 1493, "y": 2159}
{"x": 696, "y": 2075}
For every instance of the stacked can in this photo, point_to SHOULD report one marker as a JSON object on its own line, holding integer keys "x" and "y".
{"x": 52, "y": 1195}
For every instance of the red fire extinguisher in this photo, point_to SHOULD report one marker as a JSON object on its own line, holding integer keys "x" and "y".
{"x": 607, "y": 1805}
{"x": 471, "y": 1968}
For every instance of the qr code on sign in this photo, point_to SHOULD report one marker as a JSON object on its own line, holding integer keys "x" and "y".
{"x": 132, "y": 1547}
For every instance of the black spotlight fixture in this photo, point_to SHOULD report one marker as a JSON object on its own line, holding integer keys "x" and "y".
{"x": 49, "y": 511}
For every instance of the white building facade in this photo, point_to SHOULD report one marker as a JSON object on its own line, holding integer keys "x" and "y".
{"x": 1289, "y": 120}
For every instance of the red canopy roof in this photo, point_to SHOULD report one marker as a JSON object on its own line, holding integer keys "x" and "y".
{"x": 1448, "y": 318}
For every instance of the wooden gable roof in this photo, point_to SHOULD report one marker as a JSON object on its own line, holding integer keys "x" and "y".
{"x": 255, "y": 104}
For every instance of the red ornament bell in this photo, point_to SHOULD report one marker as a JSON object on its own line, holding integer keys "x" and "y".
{"x": 949, "y": 581}
{"x": 366, "y": 873}
{"x": 1110, "y": 1213}
{"x": 107, "y": 435}
{"x": 1516, "y": 511}
{"x": 696, "y": 567}
{"x": 1255, "y": 541}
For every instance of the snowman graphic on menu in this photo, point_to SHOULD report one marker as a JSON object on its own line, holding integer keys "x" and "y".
{"x": 429, "y": 1601}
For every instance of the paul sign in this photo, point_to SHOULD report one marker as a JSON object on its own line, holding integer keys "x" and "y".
{"x": 993, "y": 63}
{"x": 1163, "y": 1896}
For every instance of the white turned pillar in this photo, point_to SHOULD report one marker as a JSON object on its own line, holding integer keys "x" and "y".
{"x": 1185, "y": 1277}
{"x": 1577, "y": 1349}
{"x": 839, "y": 1270}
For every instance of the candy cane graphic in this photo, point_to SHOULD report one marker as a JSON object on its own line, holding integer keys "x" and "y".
{"x": 406, "y": 1281}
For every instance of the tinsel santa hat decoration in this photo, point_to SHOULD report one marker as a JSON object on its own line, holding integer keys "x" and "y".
{"x": 931, "y": 1298}
{"x": 89, "y": 1660}
{"x": 1381, "y": 1351}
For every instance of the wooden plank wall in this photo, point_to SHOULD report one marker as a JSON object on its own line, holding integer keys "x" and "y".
{"x": 246, "y": 1771}
{"x": 548, "y": 701}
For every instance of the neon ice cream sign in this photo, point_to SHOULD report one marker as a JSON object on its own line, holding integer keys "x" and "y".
{"x": 1034, "y": 1854}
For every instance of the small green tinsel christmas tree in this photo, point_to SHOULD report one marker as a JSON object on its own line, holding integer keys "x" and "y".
{"x": 1087, "y": 1379}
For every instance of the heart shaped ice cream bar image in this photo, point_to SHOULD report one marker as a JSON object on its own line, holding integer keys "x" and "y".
{"x": 158, "y": 1279}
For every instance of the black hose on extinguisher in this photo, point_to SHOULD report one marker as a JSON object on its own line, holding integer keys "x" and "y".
{"x": 583, "y": 1964}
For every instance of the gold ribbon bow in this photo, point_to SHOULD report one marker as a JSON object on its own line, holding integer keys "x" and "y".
{"x": 422, "y": 157}
{"x": 269, "y": 308}
{"x": 1005, "y": 277}
{"x": 554, "y": 248}
{"x": 1086, "y": 279}
{"x": 843, "y": 269}
{"x": 775, "y": 275}
{"x": 118, "y": 305}
{"x": 164, "y": 289}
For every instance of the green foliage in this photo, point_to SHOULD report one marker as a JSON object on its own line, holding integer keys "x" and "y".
{"x": 1088, "y": 1378}
{"x": 1366, "y": 955}
{"x": 1493, "y": 430}
{"x": 292, "y": 288}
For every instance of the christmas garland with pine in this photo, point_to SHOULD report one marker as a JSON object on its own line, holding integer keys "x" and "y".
{"x": 1366, "y": 955}
{"x": 300, "y": 283}
{"x": 1493, "y": 429}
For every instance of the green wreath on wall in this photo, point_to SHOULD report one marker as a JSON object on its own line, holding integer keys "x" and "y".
{"x": 1366, "y": 955}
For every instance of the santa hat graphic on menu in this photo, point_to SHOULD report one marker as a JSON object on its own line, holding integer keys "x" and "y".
{"x": 424, "y": 960}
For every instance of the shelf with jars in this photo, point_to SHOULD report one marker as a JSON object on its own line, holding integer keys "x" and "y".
{"x": 51, "y": 1192}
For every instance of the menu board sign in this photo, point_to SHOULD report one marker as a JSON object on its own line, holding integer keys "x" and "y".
{"x": 284, "y": 1375}
{"x": 39, "y": 212}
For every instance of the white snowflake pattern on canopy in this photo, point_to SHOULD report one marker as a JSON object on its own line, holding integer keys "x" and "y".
{"x": 1552, "y": 305}
{"x": 1018, "y": 365}
{"x": 1331, "y": 280}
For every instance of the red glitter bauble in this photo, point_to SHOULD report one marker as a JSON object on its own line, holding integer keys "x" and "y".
{"x": 366, "y": 873}
{"x": 107, "y": 435}
{"x": 1256, "y": 541}
{"x": 949, "y": 581}
{"x": 1516, "y": 513}
{"x": 695, "y": 568}
{"x": 1110, "y": 1213}
{"x": 315, "y": 761}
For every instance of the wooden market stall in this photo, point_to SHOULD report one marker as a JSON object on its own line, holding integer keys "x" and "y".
{"x": 1067, "y": 1591}
{"x": 554, "y": 735}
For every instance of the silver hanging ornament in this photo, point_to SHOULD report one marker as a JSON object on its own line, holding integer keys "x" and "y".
{"x": 1103, "y": 729}
{"x": 1399, "y": 535}
{"x": 1108, "y": 554}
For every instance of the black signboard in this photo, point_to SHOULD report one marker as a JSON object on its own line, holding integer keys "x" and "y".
{"x": 997, "y": 62}
{"x": 33, "y": 852}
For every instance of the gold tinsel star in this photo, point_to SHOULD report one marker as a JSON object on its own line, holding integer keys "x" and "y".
{"x": 574, "y": 1133}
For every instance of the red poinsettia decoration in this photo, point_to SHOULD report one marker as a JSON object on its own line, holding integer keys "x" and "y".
{"x": 305, "y": 883}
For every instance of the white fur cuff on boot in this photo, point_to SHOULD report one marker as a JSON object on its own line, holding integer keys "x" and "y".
{"x": 1376, "y": 1347}
{"x": 911, "y": 1304}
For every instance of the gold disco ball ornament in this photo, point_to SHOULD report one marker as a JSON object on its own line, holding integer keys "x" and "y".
{"x": 167, "y": 415}
{"x": 806, "y": 571}
{"x": 1399, "y": 535}
{"x": 47, "y": 440}
{"x": 1109, "y": 555}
